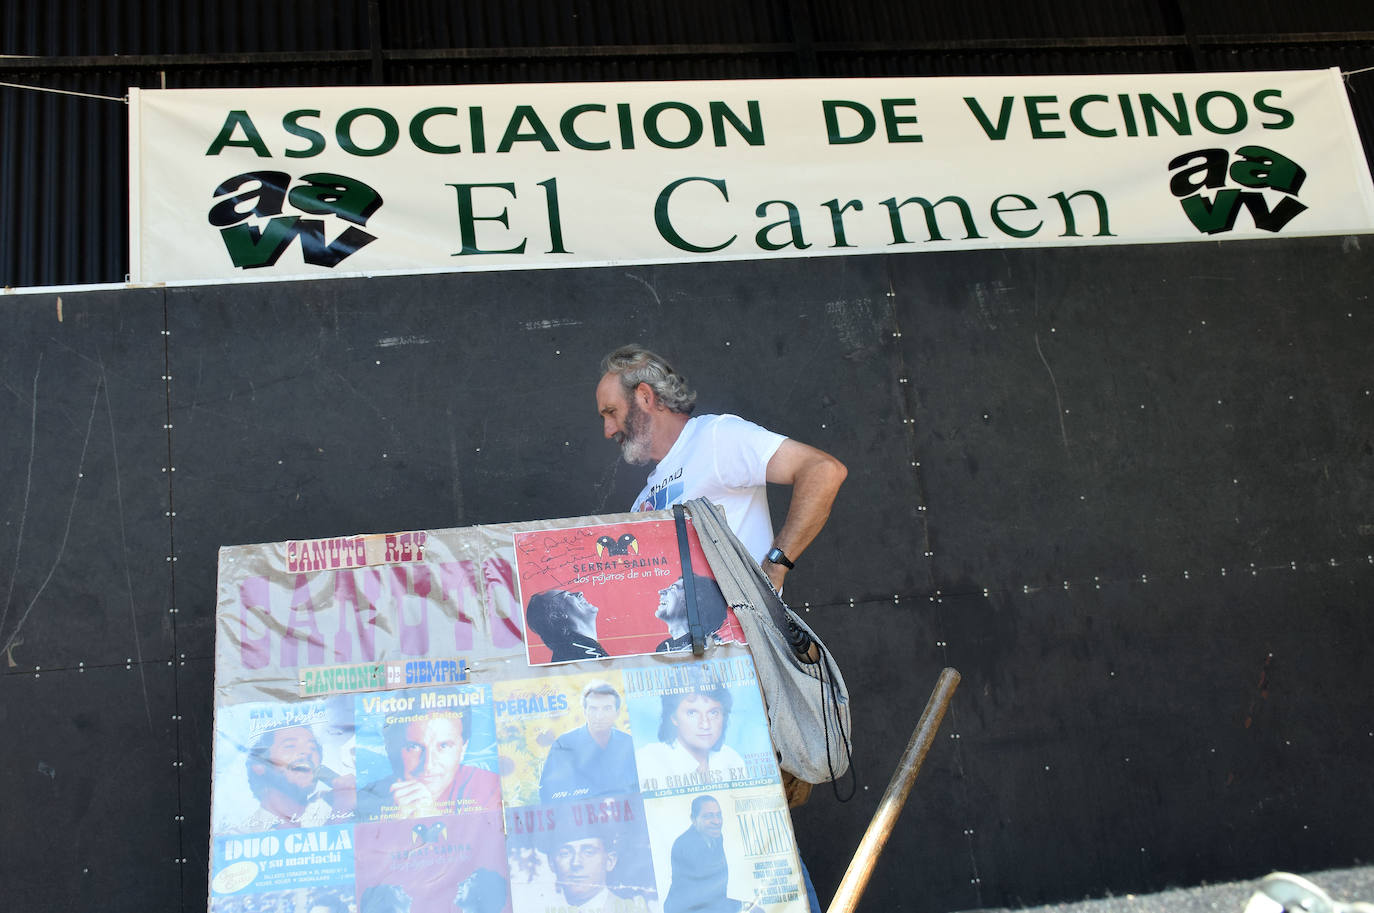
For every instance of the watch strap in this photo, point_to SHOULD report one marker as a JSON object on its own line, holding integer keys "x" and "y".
{"x": 776, "y": 556}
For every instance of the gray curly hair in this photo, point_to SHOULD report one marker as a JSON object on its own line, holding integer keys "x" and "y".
{"x": 636, "y": 365}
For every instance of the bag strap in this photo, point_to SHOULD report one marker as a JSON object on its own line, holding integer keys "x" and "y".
{"x": 747, "y": 582}
{"x": 689, "y": 587}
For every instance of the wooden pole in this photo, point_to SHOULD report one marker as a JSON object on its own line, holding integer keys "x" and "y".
{"x": 885, "y": 818}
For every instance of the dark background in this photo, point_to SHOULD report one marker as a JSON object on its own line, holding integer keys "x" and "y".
{"x": 1125, "y": 491}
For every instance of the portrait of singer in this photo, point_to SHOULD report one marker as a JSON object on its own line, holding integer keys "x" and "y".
{"x": 293, "y": 787}
{"x": 566, "y": 623}
{"x": 691, "y": 736}
{"x": 672, "y": 611}
{"x": 596, "y": 758}
{"x": 699, "y": 870}
{"x": 584, "y": 865}
{"x": 429, "y": 776}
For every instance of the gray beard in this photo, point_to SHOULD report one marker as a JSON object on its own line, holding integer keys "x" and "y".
{"x": 635, "y": 451}
{"x": 634, "y": 448}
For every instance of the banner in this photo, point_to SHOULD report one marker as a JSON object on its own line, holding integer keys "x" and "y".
{"x": 310, "y": 182}
{"x": 383, "y": 740}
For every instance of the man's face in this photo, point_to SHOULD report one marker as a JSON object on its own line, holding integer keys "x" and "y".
{"x": 582, "y": 612}
{"x": 432, "y": 752}
{"x": 700, "y": 720}
{"x": 672, "y": 604}
{"x": 624, "y": 421}
{"x": 295, "y": 757}
{"x": 582, "y": 867}
{"x": 708, "y": 819}
{"x": 601, "y": 711}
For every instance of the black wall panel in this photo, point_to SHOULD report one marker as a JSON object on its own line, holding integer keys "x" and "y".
{"x": 195, "y": 736}
{"x": 1143, "y": 410}
{"x": 87, "y": 701}
{"x": 1160, "y": 613}
{"x": 90, "y": 785}
{"x": 84, "y": 486}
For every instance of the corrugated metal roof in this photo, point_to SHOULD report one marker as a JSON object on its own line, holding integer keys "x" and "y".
{"x": 875, "y": 20}
{"x": 63, "y": 158}
{"x": 63, "y": 167}
{"x": 497, "y": 24}
{"x": 1279, "y": 17}
{"x": 77, "y": 28}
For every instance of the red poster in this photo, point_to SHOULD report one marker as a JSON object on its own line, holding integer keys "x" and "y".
{"x": 613, "y": 590}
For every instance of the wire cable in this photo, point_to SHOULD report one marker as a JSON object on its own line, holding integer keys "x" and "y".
{"x": 14, "y": 85}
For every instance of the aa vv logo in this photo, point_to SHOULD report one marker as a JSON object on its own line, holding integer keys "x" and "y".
{"x": 1200, "y": 180}
{"x": 246, "y": 200}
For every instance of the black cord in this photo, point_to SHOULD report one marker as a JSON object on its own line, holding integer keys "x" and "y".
{"x": 839, "y": 727}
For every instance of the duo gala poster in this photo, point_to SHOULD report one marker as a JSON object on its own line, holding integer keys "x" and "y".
{"x": 385, "y": 739}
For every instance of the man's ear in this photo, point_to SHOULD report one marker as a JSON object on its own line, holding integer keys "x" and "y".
{"x": 611, "y": 859}
{"x": 646, "y": 395}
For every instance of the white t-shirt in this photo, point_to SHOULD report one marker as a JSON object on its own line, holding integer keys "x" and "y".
{"x": 724, "y": 459}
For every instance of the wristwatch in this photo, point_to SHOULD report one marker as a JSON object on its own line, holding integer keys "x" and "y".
{"x": 776, "y": 556}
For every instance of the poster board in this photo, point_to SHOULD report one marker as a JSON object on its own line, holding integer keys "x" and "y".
{"x": 385, "y": 739}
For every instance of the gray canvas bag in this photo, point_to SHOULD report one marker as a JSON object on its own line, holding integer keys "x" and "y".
{"x": 808, "y": 704}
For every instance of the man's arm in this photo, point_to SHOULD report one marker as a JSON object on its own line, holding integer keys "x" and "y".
{"x": 815, "y": 477}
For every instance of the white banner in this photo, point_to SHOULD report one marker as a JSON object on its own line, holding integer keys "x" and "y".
{"x": 310, "y": 182}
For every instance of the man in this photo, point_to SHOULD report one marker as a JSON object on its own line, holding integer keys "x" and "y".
{"x": 646, "y": 407}
{"x": 581, "y": 865}
{"x": 672, "y": 611}
{"x": 566, "y": 623}
{"x": 699, "y": 870}
{"x": 691, "y": 745}
{"x": 431, "y": 779}
{"x": 595, "y": 759}
{"x": 286, "y": 777}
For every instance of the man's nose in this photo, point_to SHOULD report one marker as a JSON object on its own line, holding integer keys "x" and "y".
{"x": 608, "y": 427}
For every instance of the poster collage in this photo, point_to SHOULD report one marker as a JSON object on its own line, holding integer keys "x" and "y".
{"x": 627, "y": 781}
